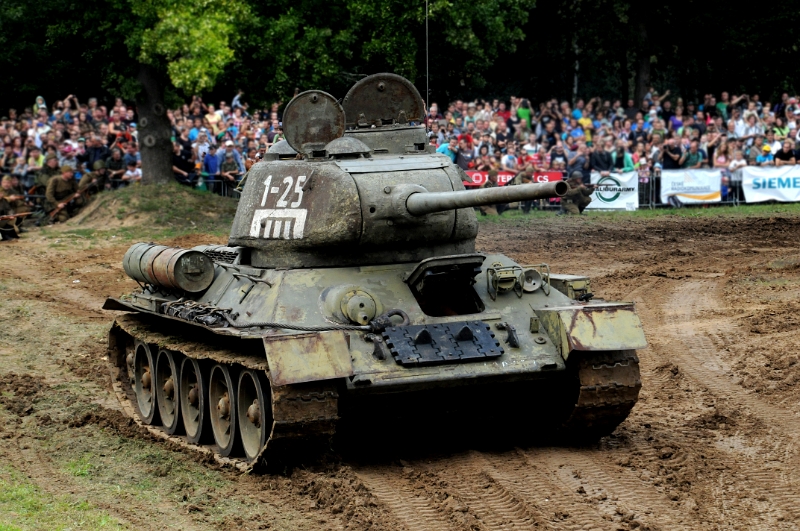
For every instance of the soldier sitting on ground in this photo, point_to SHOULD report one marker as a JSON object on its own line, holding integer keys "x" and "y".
{"x": 62, "y": 198}
{"x": 8, "y": 228}
{"x": 15, "y": 199}
{"x": 96, "y": 181}
{"x": 496, "y": 209}
{"x": 577, "y": 197}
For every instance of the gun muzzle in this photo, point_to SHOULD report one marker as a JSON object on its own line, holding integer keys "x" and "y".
{"x": 422, "y": 203}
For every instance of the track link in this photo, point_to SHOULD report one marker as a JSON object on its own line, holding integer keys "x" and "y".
{"x": 303, "y": 416}
{"x": 609, "y": 384}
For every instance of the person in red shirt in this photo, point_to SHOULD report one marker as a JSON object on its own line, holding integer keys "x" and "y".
{"x": 541, "y": 160}
{"x": 503, "y": 112}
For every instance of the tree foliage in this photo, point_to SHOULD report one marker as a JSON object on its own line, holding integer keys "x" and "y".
{"x": 491, "y": 47}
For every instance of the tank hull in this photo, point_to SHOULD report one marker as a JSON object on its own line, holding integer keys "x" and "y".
{"x": 540, "y": 336}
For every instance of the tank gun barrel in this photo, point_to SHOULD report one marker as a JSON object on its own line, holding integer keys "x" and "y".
{"x": 421, "y": 203}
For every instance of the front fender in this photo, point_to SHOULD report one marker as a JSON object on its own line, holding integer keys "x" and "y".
{"x": 601, "y": 326}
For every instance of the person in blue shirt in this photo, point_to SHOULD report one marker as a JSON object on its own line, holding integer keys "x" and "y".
{"x": 211, "y": 167}
{"x": 195, "y": 131}
{"x": 449, "y": 149}
{"x": 236, "y": 157}
{"x": 766, "y": 158}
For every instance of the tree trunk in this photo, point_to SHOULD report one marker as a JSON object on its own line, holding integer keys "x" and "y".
{"x": 642, "y": 65}
{"x": 624, "y": 76}
{"x": 154, "y": 128}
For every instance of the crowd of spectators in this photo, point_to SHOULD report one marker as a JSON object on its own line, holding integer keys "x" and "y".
{"x": 606, "y": 136}
{"x": 211, "y": 142}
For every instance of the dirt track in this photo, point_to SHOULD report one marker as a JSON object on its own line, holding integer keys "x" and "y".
{"x": 712, "y": 443}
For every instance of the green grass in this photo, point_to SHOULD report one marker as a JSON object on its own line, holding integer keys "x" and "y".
{"x": 723, "y": 211}
{"x": 81, "y": 467}
{"x": 178, "y": 207}
{"x": 24, "y": 506}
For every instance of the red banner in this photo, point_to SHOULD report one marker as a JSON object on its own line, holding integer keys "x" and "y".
{"x": 503, "y": 177}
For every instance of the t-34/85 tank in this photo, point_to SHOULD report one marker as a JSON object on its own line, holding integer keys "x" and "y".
{"x": 351, "y": 275}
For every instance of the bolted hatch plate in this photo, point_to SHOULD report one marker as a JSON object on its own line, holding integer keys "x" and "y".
{"x": 418, "y": 345}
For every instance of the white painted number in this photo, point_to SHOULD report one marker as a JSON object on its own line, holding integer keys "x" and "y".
{"x": 298, "y": 189}
{"x": 280, "y": 222}
{"x": 266, "y": 190}
{"x": 282, "y": 202}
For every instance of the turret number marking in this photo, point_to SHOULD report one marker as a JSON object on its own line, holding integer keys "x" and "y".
{"x": 284, "y": 221}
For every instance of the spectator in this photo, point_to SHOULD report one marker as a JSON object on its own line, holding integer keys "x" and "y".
{"x": 182, "y": 168}
{"x": 465, "y": 155}
{"x": 601, "y": 160}
{"x": 621, "y": 160}
{"x": 672, "y": 155}
{"x": 229, "y": 149}
{"x": 692, "y": 159}
{"x": 450, "y": 149}
{"x": 785, "y": 155}
{"x": 133, "y": 174}
{"x": 765, "y": 158}
{"x": 229, "y": 170}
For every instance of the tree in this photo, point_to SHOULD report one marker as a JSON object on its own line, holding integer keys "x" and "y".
{"x": 142, "y": 50}
{"x": 332, "y": 43}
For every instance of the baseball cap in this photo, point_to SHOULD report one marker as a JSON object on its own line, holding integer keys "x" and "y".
{"x": 229, "y": 143}
{"x": 766, "y": 148}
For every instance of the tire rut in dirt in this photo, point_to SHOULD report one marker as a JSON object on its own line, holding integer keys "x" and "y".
{"x": 410, "y": 507}
{"x": 683, "y": 310}
{"x": 523, "y": 473}
{"x": 492, "y": 498}
{"x": 635, "y": 494}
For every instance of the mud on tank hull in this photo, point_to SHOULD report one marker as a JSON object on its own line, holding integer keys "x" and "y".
{"x": 254, "y": 395}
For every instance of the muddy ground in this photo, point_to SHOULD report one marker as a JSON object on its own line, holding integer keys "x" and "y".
{"x": 712, "y": 443}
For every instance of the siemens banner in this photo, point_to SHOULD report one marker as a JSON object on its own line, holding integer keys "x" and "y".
{"x": 691, "y": 186}
{"x": 771, "y": 184}
{"x": 618, "y": 191}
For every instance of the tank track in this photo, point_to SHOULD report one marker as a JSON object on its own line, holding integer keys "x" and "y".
{"x": 601, "y": 387}
{"x": 609, "y": 384}
{"x": 304, "y": 415}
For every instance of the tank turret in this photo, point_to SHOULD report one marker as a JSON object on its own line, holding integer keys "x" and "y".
{"x": 367, "y": 189}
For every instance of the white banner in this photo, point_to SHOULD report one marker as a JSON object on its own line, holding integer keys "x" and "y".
{"x": 618, "y": 191}
{"x": 691, "y": 186}
{"x": 771, "y": 184}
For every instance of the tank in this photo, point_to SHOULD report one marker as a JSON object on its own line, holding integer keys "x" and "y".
{"x": 351, "y": 277}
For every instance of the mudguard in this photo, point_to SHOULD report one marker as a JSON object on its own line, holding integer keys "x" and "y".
{"x": 598, "y": 326}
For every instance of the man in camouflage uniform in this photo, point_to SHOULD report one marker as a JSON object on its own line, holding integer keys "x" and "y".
{"x": 577, "y": 197}
{"x": 525, "y": 177}
{"x": 8, "y": 228}
{"x": 15, "y": 199}
{"x": 60, "y": 195}
{"x": 96, "y": 181}
{"x": 50, "y": 169}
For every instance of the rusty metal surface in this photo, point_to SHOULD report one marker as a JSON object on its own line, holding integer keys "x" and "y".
{"x": 601, "y": 326}
{"x": 308, "y": 357}
{"x": 311, "y": 120}
{"x": 154, "y": 332}
{"x": 382, "y": 99}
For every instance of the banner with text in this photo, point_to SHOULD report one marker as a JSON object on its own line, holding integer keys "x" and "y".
{"x": 771, "y": 184}
{"x": 503, "y": 177}
{"x": 691, "y": 186}
{"x": 617, "y": 191}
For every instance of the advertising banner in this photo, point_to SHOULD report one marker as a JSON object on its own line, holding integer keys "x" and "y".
{"x": 691, "y": 186}
{"x": 618, "y": 191}
{"x": 771, "y": 184}
{"x": 503, "y": 177}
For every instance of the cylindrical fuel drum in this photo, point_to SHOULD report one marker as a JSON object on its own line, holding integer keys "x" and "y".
{"x": 169, "y": 267}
